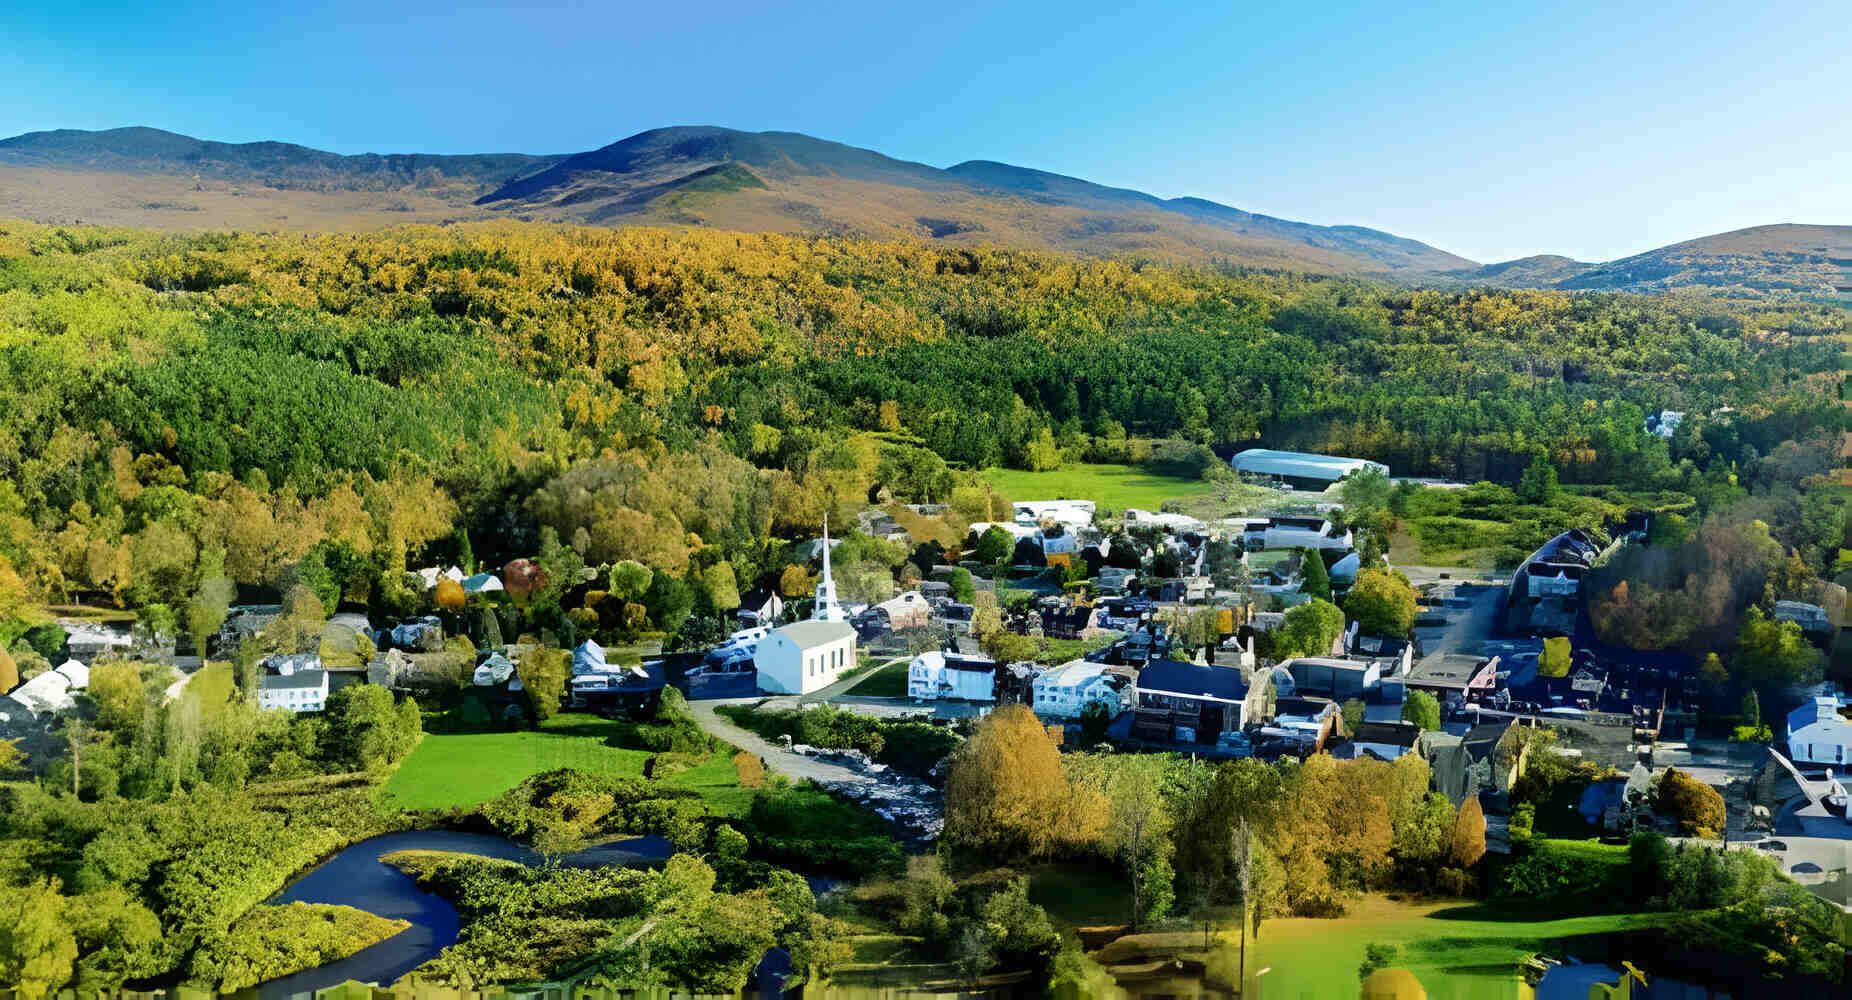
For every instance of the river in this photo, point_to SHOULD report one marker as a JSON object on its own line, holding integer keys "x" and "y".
{"x": 356, "y": 877}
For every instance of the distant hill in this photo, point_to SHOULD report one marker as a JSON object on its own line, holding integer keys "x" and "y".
{"x": 276, "y": 164}
{"x": 1802, "y": 259}
{"x": 692, "y": 175}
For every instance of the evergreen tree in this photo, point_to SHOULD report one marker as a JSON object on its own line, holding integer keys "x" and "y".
{"x": 1317, "y": 578}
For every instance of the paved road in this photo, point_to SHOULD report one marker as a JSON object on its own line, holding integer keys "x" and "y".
{"x": 792, "y": 765}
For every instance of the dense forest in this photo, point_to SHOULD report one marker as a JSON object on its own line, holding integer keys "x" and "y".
{"x": 172, "y": 401}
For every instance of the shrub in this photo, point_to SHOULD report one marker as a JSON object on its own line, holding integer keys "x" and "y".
{"x": 750, "y": 768}
{"x": 1696, "y": 806}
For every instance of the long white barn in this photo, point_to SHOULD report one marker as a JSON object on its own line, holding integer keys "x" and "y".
{"x": 1301, "y": 468}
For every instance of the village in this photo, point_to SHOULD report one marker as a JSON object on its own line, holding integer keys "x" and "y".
{"x": 1131, "y": 631}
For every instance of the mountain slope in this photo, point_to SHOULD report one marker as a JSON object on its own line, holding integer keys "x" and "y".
{"x": 825, "y": 186}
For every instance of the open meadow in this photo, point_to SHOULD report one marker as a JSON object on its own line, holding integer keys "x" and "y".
{"x": 1459, "y": 951}
{"x": 1112, "y": 487}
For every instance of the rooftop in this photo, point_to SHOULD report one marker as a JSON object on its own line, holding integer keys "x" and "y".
{"x": 1193, "y": 680}
{"x": 306, "y": 679}
{"x": 1395, "y": 734}
{"x": 810, "y": 634}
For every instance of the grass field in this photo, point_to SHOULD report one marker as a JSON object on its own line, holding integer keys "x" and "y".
{"x": 210, "y": 688}
{"x": 1458, "y": 951}
{"x": 888, "y": 682}
{"x": 1112, "y": 487}
{"x": 463, "y": 769}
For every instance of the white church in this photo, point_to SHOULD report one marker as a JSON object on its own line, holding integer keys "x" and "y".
{"x": 809, "y": 655}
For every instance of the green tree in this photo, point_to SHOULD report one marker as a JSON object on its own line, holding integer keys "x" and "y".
{"x": 1377, "y": 955}
{"x": 721, "y": 586}
{"x": 1352, "y": 715}
{"x": 1139, "y": 832}
{"x": 207, "y": 610}
{"x": 1307, "y": 630}
{"x": 629, "y": 580}
{"x": 995, "y": 545}
{"x": 669, "y": 601}
{"x": 1382, "y": 603}
{"x": 38, "y": 950}
{"x": 1538, "y": 484}
{"x": 1772, "y": 653}
{"x": 1422, "y": 709}
{"x": 120, "y": 699}
{"x": 963, "y": 590}
{"x": 363, "y": 728}
{"x": 1317, "y": 578}
{"x": 544, "y": 674}
{"x": 1752, "y": 712}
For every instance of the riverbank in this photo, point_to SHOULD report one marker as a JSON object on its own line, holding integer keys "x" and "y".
{"x": 356, "y": 877}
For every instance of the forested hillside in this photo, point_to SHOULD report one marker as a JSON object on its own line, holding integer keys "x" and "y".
{"x": 251, "y": 398}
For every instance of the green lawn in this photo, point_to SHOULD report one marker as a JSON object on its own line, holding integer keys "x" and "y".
{"x": 1112, "y": 487}
{"x": 463, "y": 769}
{"x": 1458, "y": 951}
{"x": 1061, "y": 651}
{"x": 888, "y": 682}
{"x": 210, "y": 688}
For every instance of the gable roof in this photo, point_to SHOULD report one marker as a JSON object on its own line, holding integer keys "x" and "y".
{"x": 1193, "y": 680}
{"x": 811, "y": 634}
{"x": 303, "y": 679}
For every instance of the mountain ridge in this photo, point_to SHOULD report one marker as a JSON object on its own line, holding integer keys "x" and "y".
{"x": 781, "y": 181}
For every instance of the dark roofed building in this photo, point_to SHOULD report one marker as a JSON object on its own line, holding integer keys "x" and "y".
{"x": 1384, "y": 740}
{"x": 1198, "y": 703}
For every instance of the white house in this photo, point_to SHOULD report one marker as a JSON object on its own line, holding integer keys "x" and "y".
{"x": 1062, "y": 692}
{"x": 934, "y": 674}
{"x": 1818, "y": 734}
{"x": 297, "y": 683}
{"x": 804, "y": 656}
{"x": 1290, "y": 532}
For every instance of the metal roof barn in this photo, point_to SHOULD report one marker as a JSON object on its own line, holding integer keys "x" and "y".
{"x": 1299, "y": 467}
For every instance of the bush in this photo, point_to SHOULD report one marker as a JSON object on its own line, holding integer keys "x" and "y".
{"x": 750, "y": 768}
{"x": 1696, "y": 806}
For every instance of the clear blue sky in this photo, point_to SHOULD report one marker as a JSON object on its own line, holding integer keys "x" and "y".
{"x": 1594, "y": 130}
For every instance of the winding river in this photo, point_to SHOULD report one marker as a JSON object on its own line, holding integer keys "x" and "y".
{"x": 356, "y": 877}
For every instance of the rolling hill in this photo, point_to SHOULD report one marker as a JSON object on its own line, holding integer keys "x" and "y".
{"x": 1788, "y": 258}
{"x": 691, "y": 175}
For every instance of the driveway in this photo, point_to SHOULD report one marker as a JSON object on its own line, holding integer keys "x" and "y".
{"x": 796, "y": 766}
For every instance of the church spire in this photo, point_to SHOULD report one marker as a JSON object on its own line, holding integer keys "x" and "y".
{"x": 826, "y": 607}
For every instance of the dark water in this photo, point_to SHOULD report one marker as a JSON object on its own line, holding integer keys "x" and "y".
{"x": 1571, "y": 982}
{"x": 357, "y": 878}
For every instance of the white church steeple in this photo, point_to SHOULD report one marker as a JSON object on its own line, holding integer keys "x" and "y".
{"x": 827, "y": 609}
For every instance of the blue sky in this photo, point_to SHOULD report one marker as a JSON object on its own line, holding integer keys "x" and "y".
{"x": 1590, "y": 130}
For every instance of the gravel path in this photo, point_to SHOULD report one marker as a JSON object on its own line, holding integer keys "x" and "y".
{"x": 793, "y": 765}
